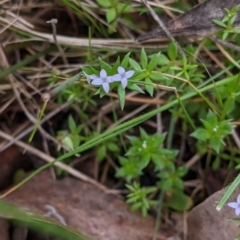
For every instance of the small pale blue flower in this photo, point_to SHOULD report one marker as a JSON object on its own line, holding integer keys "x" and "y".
{"x": 122, "y": 76}
{"x": 89, "y": 77}
{"x": 103, "y": 80}
{"x": 235, "y": 205}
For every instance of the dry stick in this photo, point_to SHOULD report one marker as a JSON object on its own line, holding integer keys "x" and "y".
{"x": 53, "y": 22}
{"x": 224, "y": 43}
{"x": 162, "y": 25}
{"x": 48, "y": 158}
{"x": 28, "y": 130}
{"x": 17, "y": 95}
{"x": 75, "y": 41}
{"x": 227, "y": 55}
{"x": 15, "y": 20}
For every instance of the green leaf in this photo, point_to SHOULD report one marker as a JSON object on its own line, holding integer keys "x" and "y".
{"x": 153, "y": 62}
{"x": 172, "y": 51}
{"x": 216, "y": 163}
{"x": 178, "y": 183}
{"x": 143, "y": 59}
{"x": 212, "y": 118}
{"x": 112, "y": 27}
{"x": 163, "y": 60}
{"x": 67, "y": 141}
{"x": 232, "y": 20}
{"x": 71, "y": 124}
{"x": 134, "y": 140}
{"x": 149, "y": 87}
{"x": 121, "y": 95}
{"x": 135, "y": 65}
{"x": 150, "y": 190}
{"x": 145, "y": 159}
{"x": 216, "y": 143}
{"x": 104, "y": 65}
{"x": 122, "y": 7}
{"x": 236, "y": 30}
{"x": 101, "y": 152}
{"x": 104, "y": 3}
{"x": 225, "y": 35}
{"x": 201, "y": 134}
{"x": 158, "y": 77}
{"x": 144, "y": 211}
{"x": 182, "y": 171}
{"x": 130, "y": 187}
{"x": 131, "y": 199}
{"x": 135, "y": 87}
{"x": 179, "y": 201}
{"x": 145, "y": 203}
{"x": 143, "y": 134}
{"x": 111, "y": 15}
{"x": 115, "y": 67}
{"x": 165, "y": 185}
{"x": 163, "y": 175}
{"x": 113, "y": 147}
{"x": 125, "y": 60}
{"x": 136, "y": 206}
{"x": 219, "y": 23}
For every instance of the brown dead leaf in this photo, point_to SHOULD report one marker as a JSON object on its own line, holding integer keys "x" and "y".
{"x": 206, "y": 223}
{"x": 85, "y": 208}
{"x": 197, "y": 21}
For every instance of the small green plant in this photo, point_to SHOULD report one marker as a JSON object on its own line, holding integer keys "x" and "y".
{"x": 227, "y": 22}
{"x": 71, "y": 138}
{"x": 172, "y": 179}
{"x": 144, "y": 152}
{"x": 138, "y": 198}
{"x": 213, "y": 131}
{"x": 113, "y": 10}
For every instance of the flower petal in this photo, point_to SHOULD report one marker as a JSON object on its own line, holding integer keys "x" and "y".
{"x": 87, "y": 77}
{"x": 124, "y": 82}
{"x": 129, "y": 74}
{"x": 93, "y": 76}
{"x": 233, "y": 205}
{"x": 105, "y": 86}
{"x": 109, "y": 79}
{"x": 97, "y": 81}
{"x": 237, "y": 211}
{"x": 116, "y": 77}
{"x": 121, "y": 70}
{"x": 238, "y": 200}
{"x": 103, "y": 73}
